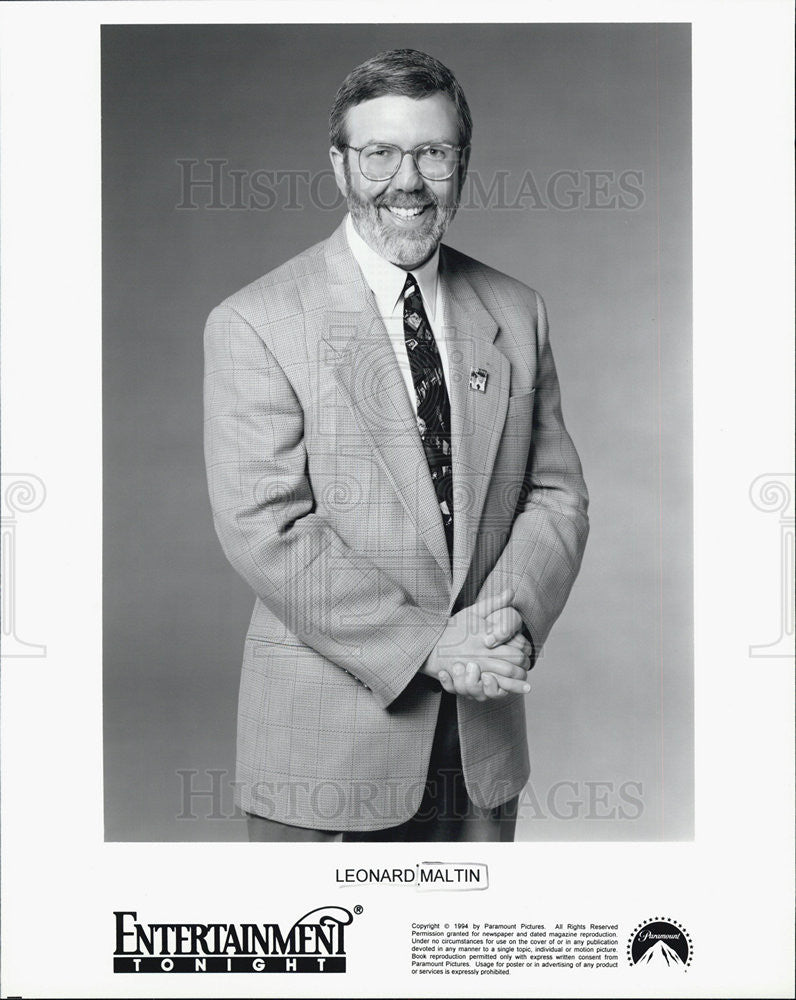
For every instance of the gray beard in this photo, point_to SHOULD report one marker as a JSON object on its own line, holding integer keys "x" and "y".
{"x": 407, "y": 250}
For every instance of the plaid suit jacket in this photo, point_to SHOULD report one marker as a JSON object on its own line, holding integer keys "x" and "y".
{"x": 323, "y": 502}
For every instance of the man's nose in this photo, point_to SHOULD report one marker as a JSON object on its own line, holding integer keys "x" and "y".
{"x": 408, "y": 178}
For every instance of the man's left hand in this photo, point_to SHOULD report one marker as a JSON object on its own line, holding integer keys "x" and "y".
{"x": 503, "y": 626}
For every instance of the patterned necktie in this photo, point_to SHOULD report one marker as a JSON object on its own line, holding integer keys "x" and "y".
{"x": 433, "y": 405}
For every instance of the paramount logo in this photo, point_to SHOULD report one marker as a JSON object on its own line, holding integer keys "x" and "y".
{"x": 314, "y": 943}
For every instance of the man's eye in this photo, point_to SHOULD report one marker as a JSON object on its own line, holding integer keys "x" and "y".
{"x": 437, "y": 152}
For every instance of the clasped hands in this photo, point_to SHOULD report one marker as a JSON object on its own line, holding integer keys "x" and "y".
{"x": 482, "y": 654}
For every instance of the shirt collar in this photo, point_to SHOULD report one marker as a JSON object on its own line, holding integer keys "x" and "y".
{"x": 386, "y": 280}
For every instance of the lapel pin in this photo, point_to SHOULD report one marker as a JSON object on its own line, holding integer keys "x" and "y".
{"x": 478, "y": 379}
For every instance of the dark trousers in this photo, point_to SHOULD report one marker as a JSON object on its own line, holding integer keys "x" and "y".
{"x": 445, "y": 814}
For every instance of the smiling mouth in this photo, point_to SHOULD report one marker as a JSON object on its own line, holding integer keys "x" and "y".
{"x": 406, "y": 214}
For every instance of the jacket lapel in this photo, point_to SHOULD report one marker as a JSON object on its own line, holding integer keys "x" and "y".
{"x": 477, "y": 417}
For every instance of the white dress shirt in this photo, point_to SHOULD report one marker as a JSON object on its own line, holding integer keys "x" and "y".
{"x": 386, "y": 280}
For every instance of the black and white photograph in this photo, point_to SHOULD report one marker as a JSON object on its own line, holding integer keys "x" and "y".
{"x": 397, "y": 499}
{"x": 379, "y": 616}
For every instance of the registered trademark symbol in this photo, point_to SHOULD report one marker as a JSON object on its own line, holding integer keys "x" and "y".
{"x": 357, "y": 910}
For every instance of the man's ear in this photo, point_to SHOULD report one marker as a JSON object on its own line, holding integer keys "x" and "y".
{"x": 337, "y": 156}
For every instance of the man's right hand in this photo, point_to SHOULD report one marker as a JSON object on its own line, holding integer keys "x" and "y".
{"x": 466, "y": 650}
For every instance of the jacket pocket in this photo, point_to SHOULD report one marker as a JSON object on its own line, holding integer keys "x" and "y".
{"x": 274, "y": 633}
{"x": 520, "y": 396}
{"x": 264, "y": 626}
{"x": 520, "y": 412}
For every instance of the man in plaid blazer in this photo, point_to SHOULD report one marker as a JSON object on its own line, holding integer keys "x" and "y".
{"x": 389, "y": 469}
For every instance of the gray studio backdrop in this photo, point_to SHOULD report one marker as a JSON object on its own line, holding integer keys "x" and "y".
{"x": 580, "y": 186}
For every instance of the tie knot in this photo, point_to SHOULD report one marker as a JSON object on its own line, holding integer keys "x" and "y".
{"x": 410, "y": 285}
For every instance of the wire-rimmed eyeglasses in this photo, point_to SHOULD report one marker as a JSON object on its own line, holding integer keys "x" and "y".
{"x": 381, "y": 161}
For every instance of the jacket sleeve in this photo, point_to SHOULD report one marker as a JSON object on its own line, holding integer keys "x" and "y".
{"x": 545, "y": 547}
{"x": 333, "y": 599}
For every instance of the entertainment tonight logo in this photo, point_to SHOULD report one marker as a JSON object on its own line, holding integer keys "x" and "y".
{"x": 315, "y": 943}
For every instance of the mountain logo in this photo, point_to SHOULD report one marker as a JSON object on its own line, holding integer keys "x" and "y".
{"x": 660, "y": 942}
